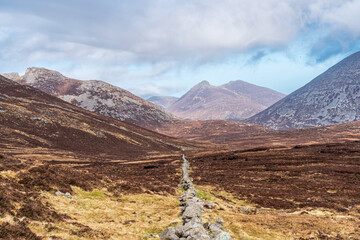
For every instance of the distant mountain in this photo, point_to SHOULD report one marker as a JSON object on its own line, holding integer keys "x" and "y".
{"x": 95, "y": 96}
{"x": 33, "y": 119}
{"x": 163, "y": 101}
{"x": 256, "y": 94}
{"x": 331, "y": 98}
{"x": 236, "y": 100}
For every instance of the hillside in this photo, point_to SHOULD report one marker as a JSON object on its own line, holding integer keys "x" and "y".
{"x": 331, "y": 98}
{"x": 163, "y": 101}
{"x": 31, "y": 118}
{"x": 236, "y": 100}
{"x": 95, "y": 96}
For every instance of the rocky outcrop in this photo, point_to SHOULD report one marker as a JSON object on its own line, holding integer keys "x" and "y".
{"x": 192, "y": 207}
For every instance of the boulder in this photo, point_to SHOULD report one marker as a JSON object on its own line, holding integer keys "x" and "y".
{"x": 169, "y": 234}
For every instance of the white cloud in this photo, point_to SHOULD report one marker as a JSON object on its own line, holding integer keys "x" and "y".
{"x": 108, "y": 36}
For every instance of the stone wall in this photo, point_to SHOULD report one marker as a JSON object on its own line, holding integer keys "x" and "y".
{"x": 192, "y": 207}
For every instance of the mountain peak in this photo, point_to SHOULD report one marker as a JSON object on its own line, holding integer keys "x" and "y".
{"x": 203, "y": 83}
{"x": 330, "y": 98}
{"x": 13, "y": 76}
{"x": 204, "y": 101}
{"x": 32, "y": 74}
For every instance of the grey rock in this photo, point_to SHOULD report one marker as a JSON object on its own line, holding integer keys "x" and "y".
{"x": 151, "y": 235}
{"x": 169, "y": 234}
{"x": 215, "y": 228}
{"x": 199, "y": 237}
{"x": 219, "y": 220}
{"x": 59, "y": 193}
{"x": 193, "y": 229}
{"x": 179, "y": 230}
{"x": 207, "y": 225}
{"x": 223, "y": 236}
{"x": 209, "y": 205}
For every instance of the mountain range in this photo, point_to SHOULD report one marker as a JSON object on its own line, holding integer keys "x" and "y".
{"x": 236, "y": 100}
{"x": 331, "y": 98}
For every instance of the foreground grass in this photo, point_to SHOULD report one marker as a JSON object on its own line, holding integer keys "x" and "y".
{"x": 242, "y": 222}
{"x": 99, "y": 215}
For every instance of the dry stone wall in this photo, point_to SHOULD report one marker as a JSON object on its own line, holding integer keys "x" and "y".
{"x": 192, "y": 207}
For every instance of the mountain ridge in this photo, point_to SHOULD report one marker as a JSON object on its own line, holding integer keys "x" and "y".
{"x": 231, "y": 101}
{"x": 96, "y": 96}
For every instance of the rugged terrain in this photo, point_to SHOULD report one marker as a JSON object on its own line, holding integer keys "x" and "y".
{"x": 236, "y": 100}
{"x": 301, "y": 192}
{"x": 48, "y": 145}
{"x": 122, "y": 180}
{"x": 95, "y": 96}
{"x": 331, "y": 98}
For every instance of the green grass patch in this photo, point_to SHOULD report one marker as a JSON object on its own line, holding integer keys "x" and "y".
{"x": 202, "y": 194}
{"x": 95, "y": 194}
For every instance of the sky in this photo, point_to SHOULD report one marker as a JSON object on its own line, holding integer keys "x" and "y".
{"x": 164, "y": 47}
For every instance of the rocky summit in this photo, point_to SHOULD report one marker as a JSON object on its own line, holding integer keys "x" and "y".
{"x": 95, "y": 96}
{"x": 331, "y": 98}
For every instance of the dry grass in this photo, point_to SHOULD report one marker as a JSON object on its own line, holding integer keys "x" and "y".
{"x": 99, "y": 215}
{"x": 8, "y": 174}
{"x": 275, "y": 224}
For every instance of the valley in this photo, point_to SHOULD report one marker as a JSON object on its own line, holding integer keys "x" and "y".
{"x": 68, "y": 172}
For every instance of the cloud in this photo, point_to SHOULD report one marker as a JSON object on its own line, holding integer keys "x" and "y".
{"x": 338, "y": 20}
{"x": 161, "y": 30}
{"x": 331, "y": 45}
{"x": 148, "y": 89}
{"x": 108, "y": 36}
{"x": 256, "y": 57}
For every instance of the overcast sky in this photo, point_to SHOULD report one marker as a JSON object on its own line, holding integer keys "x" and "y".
{"x": 164, "y": 47}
